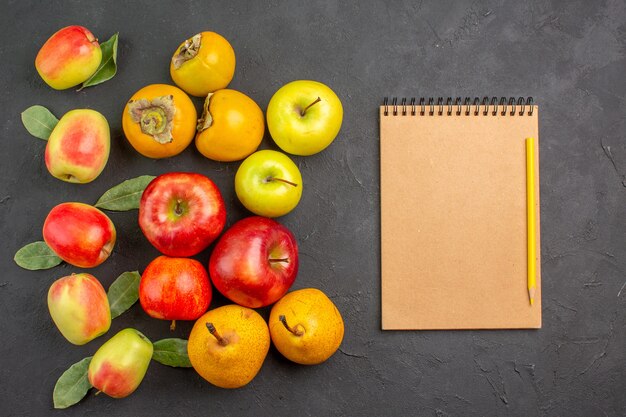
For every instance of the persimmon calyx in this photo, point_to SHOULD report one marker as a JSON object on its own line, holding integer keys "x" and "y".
{"x": 206, "y": 120}
{"x": 155, "y": 117}
{"x": 187, "y": 51}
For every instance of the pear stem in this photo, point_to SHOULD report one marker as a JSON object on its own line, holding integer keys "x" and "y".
{"x": 269, "y": 179}
{"x": 214, "y": 332}
{"x": 302, "y": 113}
{"x": 297, "y": 331}
{"x": 173, "y": 325}
{"x": 286, "y": 260}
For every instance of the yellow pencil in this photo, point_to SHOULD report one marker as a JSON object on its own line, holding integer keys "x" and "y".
{"x": 530, "y": 210}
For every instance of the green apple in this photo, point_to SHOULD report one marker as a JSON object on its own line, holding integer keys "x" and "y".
{"x": 304, "y": 117}
{"x": 268, "y": 183}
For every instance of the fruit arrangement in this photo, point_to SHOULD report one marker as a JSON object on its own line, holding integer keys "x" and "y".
{"x": 253, "y": 263}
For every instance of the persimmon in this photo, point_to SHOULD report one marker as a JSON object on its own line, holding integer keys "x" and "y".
{"x": 203, "y": 64}
{"x": 159, "y": 121}
{"x": 231, "y": 127}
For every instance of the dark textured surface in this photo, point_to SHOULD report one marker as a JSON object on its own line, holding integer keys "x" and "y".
{"x": 569, "y": 55}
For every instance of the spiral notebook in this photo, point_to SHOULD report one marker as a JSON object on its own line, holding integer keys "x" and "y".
{"x": 453, "y": 213}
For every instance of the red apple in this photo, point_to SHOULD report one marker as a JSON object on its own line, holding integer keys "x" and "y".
{"x": 181, "y": 213}
{"x": 255, "y": 262}
{"x": 79, "y": 234}
{"x": 175, "y": 289}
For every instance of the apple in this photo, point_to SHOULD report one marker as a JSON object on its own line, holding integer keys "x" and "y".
{"x": 175, "y": 289}
{"x": 268, "y": 183}
{"x": 69, "y": 57}
{"x": 255, "y": 262}
{"x": 304, "y": 117}
{"x": 181, "y": 213}
{"x": 119, "y": 365}
{"x": 79, "y": 234}
{"x": 79, "y": 307}
{"x": 78, "y": 147}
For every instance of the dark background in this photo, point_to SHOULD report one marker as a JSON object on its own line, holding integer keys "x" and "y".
{"x": 568, "y": 55}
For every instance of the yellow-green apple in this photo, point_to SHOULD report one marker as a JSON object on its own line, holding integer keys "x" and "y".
{"x": 255, "y": 262}
{"x": 78, "y": 147}
{"x": 79, "y": 234}
{"x": 79, "y": 307}
{"x": 119, "y": 365}
{"x": 268, "y": 183}
{"x": 175, "y": 289}
{"x": 69, "y": 57}
{"x": 304, "y": 117}
{"x": 181, "y": 213}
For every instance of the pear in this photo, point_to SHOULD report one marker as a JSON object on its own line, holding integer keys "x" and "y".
{"x": 306, "y": 326}
{"x": 120, "y": 364}
{"x": 227, "y": 345}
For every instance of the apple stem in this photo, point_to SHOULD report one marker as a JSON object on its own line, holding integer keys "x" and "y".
{"x": 177, "y": 208}
{"x": 297, "y": 331}
{"x": 307, "y": 107}
{"x": 269, "y": 179}
{"x": 173, "y": 325}
{"x": 213, "y": 331}
{"x": 286, "y": 260}
{"x": 98, "y": 392}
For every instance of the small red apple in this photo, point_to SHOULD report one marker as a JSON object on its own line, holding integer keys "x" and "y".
{"x": 175, "y": 289}
{"x": 181, "y": 213}
{"x": 79, "y": 234}
{"x": 255, "y": 262}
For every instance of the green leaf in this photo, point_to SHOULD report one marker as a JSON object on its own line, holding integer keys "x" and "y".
{"x": 73, "y": 385}
{"x": 171, "y": 352}
{"x": 108, "y": 65}
{"x": 125, "y": 196}
{"x": 36, "y": 255}
{"x": 39, "y": 121}
{"x": 123, "y": 293}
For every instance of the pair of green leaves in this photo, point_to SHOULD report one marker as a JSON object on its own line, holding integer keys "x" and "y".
{"x": 40, "y": 122}
{"x": 122, "y": 197}
{"x": 74, "y": 384}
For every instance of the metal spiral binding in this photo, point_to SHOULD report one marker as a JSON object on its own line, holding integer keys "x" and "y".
{"x": 460, "y": 106}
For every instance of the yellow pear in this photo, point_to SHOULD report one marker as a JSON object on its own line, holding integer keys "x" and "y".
{"x": 306, "y": 326}
{"x": 227, "y": 345}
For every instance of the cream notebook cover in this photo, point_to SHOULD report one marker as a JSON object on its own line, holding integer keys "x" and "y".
{"x": 453, "y": 214}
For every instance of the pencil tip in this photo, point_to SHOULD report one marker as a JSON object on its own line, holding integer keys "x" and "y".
{"x": 532, "y": 300}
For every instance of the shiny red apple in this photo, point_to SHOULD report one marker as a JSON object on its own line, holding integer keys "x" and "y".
{"x": 181, "y": 213}
{"x": 79, "y": 234}
{"x": 175, "y": 289}
{"x": 255, "y": 262}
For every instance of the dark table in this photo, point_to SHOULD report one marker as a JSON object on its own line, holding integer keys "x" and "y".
{"x": 570, "y": 56}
